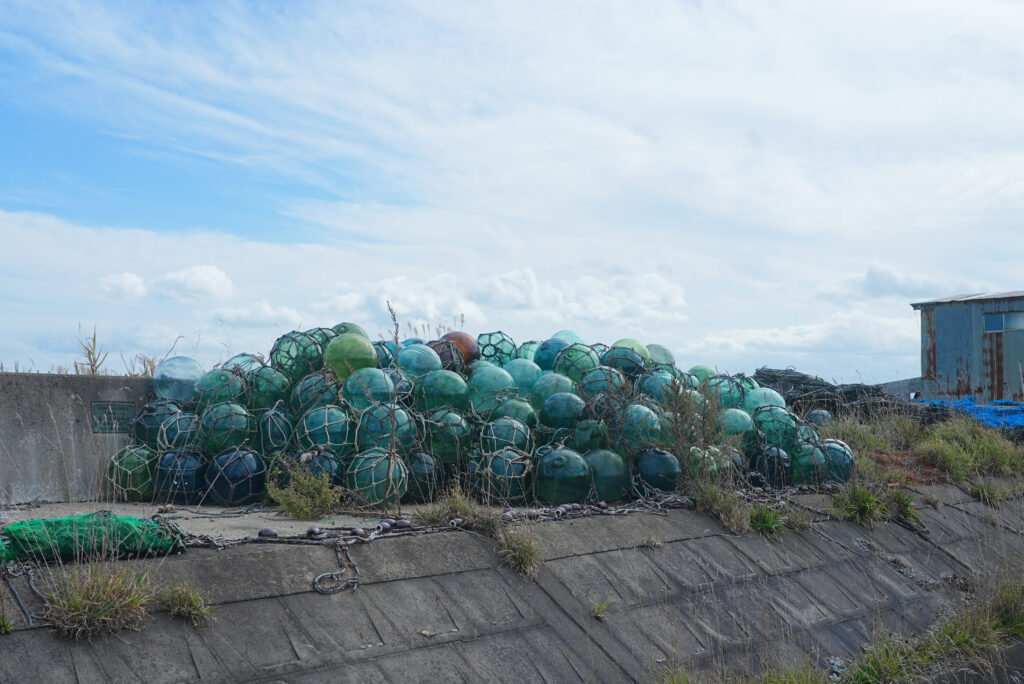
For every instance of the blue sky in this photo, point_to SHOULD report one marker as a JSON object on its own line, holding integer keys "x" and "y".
{"x": 748, "y": 183}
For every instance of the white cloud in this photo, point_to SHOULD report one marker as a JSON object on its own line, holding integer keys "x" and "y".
{"x": 123, "y": 285}
{"x": 260, "y": 314}
{"x": 195, "y": 283}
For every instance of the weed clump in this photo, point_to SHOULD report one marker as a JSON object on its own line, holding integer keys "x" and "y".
{"x": 767, "y": 521}
{"x": 857, "y": 503}
{"x": 304, "y": 496}
{"x": 961, "y": 447}
{"x": 96, "y": 599}
{"x": 721, "y": 503}
{"x": 182, "y": 600}
{"x": 457, "y": 505}
{"x": 520, "y": 551}
{"x": 599, "y": 608}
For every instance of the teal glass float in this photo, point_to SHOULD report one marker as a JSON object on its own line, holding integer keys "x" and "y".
{"x": 410, "y": 341}
{"x": 316, "y": 389}
{"x": 748, "y": 383}
{"x": 178, "y": 430}
{"x": 807, "y": 433}
{"x": 819, "y": 417}
{"x": 777, "y": 427}
{"x": 562, "y": 477}
{"x": 525, "y": 373}
{"x": 489, "y": 388}
{"x": 368, "y": 386}
{"x": 562, "y": 411}
{"x": 243, "y": 363}
{"x": 518, "y": 409}
{"x": 660, "y": 385}
{"x": 547, "y": 386}
{"x": 441, "y": 389}
{"x": 810, "y": 465}
{"x": 296, "y": 355}
{"x": 839, "y": 460}
{"x": 217, "y": 387}
{"x": 223, "y": 426}
{"x": 762, "y": 396}
{"x": 601, "y": 380}
{"x": 179, "y": 477}
{"x": 527, "y": 350}
{"x": 448, "y": 436}
{"x": 236, "y": 477}
{"x": 503, "y": 477}
{"x": 131, "y": 472}
{"x": 737, "y": 422}
{"x": 426, "y": 478}
{"x": 417, "y": 360}
{"x": 658, "y": 469}
{"x": 661, "y": 355}
{"x": 266, "y": 386}
{"x": 348, "y": 353}
{"x": 274, "y": 429}
{"x": 570, "y": 336}
{"x": 640, "y": 429}
{"x": 477, "y": 365}
{"x": 725, "y": 390}
{"x": 468, "y": 348}
{"x": 612, "y": 478}
{"x": 175, "y": 378}
{"x": 590, "y": 435}
{"x": 625, "y": 360}
{"x": 326, "y": 426}
{"x": 350, "y": 328}
{"x": 323, "y": 336}
{"x": 505, "y": 432}
{"x": 575, "y": 361}
{"x": 377, "y": 478}
{"x": 146, "y": 424}
{"x": 403, "y": 385}
{"x": 386, "y": 426}
{"x": 635, "y": 345}
{"x": 322, "y": 462}
{"x": 387, "y": 353}
{"x": 545, "y": 354}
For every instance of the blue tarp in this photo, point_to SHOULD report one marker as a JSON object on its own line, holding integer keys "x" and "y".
{"x": 998, "y": 414}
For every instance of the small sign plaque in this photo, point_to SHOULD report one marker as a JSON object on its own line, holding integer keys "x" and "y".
{"x": 112, "y": 416}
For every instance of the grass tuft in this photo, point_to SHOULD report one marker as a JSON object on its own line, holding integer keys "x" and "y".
{"x": 459, "y": 505}
{"x": 767, "y": 521}
{"x": 723, "y": 504}
{"x": 599, "y": 609}
{"x": 182, "y": 600}
{"x": 962, "y": 447}
{"x": 652, "y": 542}
{"x": 857, "y": 503}
{"x": 520, "y": 551}
{"x": 96, "y": 599}
{"x": 305, "y": 496}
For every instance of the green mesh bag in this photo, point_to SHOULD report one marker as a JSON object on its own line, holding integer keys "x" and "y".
{"x": 91, "y": 535}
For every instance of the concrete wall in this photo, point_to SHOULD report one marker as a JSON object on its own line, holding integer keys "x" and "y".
{"x": 52, "y": 446}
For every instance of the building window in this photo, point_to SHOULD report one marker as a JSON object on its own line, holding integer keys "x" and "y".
{"x": 993, "y": 323}
{"x": 1014, "y": 321}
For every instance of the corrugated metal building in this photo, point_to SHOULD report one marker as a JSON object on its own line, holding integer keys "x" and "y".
{"x": 973, "y": 345}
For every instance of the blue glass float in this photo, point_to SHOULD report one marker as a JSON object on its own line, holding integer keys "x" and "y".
{"x": 503, "y": 477}
{"x": 328, "y": 427}
{"x": 146, "y": 424}
{"x": 175, "y": 378}
{"x": 839, "y": 459}
{"x": 505, "y": 432}
{"x": 274, "y": 429}
{"x": 624, "y": 359}
{"x": 386, "y": 425}
{"x": 426, "y": 478}
{"x": 544, "y": 355}
{"x": 658, "y": 469}
{"x": 236, "y": 477}
{"x": 179, "y": 476}
{"x": 640, "y": 428}
{"x": 178, "y": 430}
{"x": 321, "y": 388}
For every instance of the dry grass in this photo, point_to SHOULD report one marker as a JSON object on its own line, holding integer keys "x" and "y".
{"x": 652, "y": 542}
{"x": 182, "y": 600}
{"x": 721, "y": 503}
{"x": 520, "y": 551}
{"x": 458, "y": 505}
{"x": 96, "y": 599}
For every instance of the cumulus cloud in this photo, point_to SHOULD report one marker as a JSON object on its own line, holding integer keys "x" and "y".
{"x": 195, "y": 283}
{"x": 123, "y": 285}
{"x": 259, "y": 314}
{"x": 880, "y": 281}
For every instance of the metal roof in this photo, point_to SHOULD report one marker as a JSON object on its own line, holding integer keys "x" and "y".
{"x": 971, "y": 298}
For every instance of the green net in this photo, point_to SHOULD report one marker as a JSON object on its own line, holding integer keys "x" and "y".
{"x": 92, "y": 535}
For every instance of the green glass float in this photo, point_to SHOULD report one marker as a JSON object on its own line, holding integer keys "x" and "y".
{"x": 417, "y": 360}
{"x": 448, "y": 436}
{"x": 503, "y": 477}
{"x": 810, "y": 464}
{"x": 131, "y": 473}
{"x": 146, "y": 424}
{"x": 658, "y": 469}
{"x": 635, "y": 345}
{"x": 502, "y": 433}
{"x": 625, "y": 360}
{"x": 489, "y": 388}
{"x": 377, "y": 478}
{"x": 819, "y": 417}
{"x": 562, "y": 477}
{"x": 702, "y": 373}
{"x": 726, "y": 391}
{"x": 601, "y": 380}
{"x": 525, "y": 374}
{"x": 762, "y": 396}
{"x": 387, "y": 353}
{"x": 548, "y": 386}
{"x": 426, "y": 478}
{"x": 323, "y": 336}
{"x": 659, "y": 385}
{"x": 316, "y": 389}
{"x": 178, "y": 430}
{"x": 441, "y": 389}
{"x": 661, "y": 355}
{"x": 236, "y": 477}
{"x": 590, "y": 435}
{"x": 243, "y": 363}
{"x": 840, "y": 461}
{"x": 736, "y": 422}
{"x": 545, "y": 354}
{"x": 527, "y": 350}
{"x": 403, "y": 385}
{"x": 274, "y": 429}
{"x": 640, "y": 429}
{"x": 468, "y": 348}
{"x": 570, "y": 336}
{"x": 612, "y": 479}
{"x": 777, "y": 426}
{"x": 368, "y": 386}
{"x": 562, "y": 411}
{"x": 384, "y": 426}
{"x": 350, "y": 328}
{"x": 266, "y": 386}
{"x": 349, "y": 352}
{"x": 518, "y": 409}
{"x": 218, "y": 386}
{"x": 748, "y": 383}
{"x": 296, "y": 355}
{"x": 223, "y": 426}
{"x": 575, "y": 361}
{"x": 497, "y": 347}
{"x": 807, "y": 433}
{"x": 175, "y": 378}
{"x": 325, "y": 426}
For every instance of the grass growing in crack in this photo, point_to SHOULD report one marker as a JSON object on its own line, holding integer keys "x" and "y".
{"x": 961, "y": 447}
{"x": 304, "y": 496}
{"x": 900, "y": 505}
{"x": 767, "y": 521}
{"x": 97, "y": 599}
{"x": 182, "y": 600}
{"x": 652, "y": 542}
{"x": 857, "y": 503}
{"x": 458, "y": 505}
{"x": 520, "y": 551}
{"x": 721, "y": 503}
{"x": 599, "y": 608}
